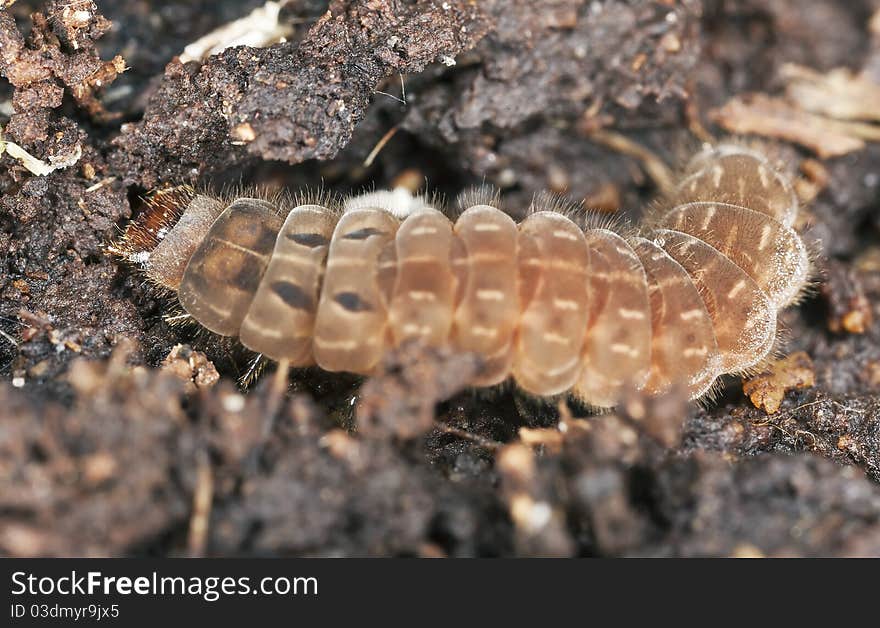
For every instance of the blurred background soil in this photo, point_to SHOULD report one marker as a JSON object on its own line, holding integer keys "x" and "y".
{"x": 116, "y": 441}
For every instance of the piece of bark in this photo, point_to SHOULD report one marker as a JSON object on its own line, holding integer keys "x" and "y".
{"x": 840, "y": 93}
{"x": 760, "y": 114}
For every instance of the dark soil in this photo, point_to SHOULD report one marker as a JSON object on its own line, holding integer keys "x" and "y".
{"x": 107, "y": 448}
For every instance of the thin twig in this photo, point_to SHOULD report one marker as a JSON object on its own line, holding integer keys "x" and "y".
{"x": 274, "y": 401}
{"x": 653, "y": 165}
{"x": 202, "y": 502}
{"x": 275, "y": 398}
{"x": 380, "y": 145}
{"x": 474, "y": 438}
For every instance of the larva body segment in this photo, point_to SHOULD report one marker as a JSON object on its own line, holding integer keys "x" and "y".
{"x": 558, "y": 307}
{"x": 487, "y": 316}
{"x": 732, "y": 174}
{"x": 554, "y": 264}
{"x": 684, "y": 351}
{"x": 617, "y": 352}
{"x": 353, "y": 310}
{"x": 290, "y": 288}
{"x": 743, "y": 320}
{"x": 772, "y": 254}
{"x": 225, "y": 270}
{"x": 170, "y": 257}
{"x": 423, "y": 299}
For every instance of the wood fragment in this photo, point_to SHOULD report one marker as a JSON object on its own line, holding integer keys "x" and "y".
{"x": 840, "y": 93}
{"x": 38, "y": 166}
{"x": 202, "y": 500}
{"x": 760, "y": 114}
{"x": 380, "y": 145}
{"x": 258, "y": 29}
{"x": 768, "y": 389}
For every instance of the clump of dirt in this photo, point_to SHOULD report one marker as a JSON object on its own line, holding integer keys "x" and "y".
{"x": 118, "y": 441}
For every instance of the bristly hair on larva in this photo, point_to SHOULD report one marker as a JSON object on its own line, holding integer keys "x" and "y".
{"x": 562, "y": 302}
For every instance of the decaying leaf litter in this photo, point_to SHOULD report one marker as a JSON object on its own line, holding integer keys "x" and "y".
{"x": 130, "y": 451}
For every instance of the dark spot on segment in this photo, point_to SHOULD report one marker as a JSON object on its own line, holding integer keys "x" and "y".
{"x": 311, "y": 240}
{"x": 247, "y": 276}
{"x": 292, "y": 295}
{"x": 265, "y": 238}
{"x": 363, "y": 234}
{"x": 249, "y": 228}
{"x": 247, "y": 232}
{"x": 196, "y": 282}
{"x": 352, "y": 302}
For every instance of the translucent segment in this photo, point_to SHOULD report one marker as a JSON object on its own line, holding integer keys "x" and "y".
{"x": 281, "y": 320}
{"x": 770, "y": 253}
{"x": 732, "y": 174}
{"x": 168, "y": 260}
{"x": 554, "y": 265}
{"x": 683, "y": 347}
{"x": 617, "y": 351}
{"x": 743, "y": 318}
{"x": 224, "y": 272}
{"x": 423, "y": 297}
{"x": 352, "y": 319}
{"x": 486, "y": 317}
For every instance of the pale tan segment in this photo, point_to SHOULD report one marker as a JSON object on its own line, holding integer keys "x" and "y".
{"x": 352, "y": 320}
{"x": 733, "y": 174}
{"x": 770, "y": 253}
{"x": 224, "y": 272}
{"x": 554, "y": 264}
{"x": 281, "y": 320}
{"x": 486, "y": 317}
{"x": 743, "y": 318}
{"x": 617, "y": 351}
{"x": 423, "y": 299}
{"x": 169, "y": 259}
{"x": 683, "y": 347}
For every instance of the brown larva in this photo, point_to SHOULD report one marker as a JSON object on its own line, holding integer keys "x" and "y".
{"x": 556, "y": 306}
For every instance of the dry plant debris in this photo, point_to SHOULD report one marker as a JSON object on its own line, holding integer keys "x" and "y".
{"x": 191, "y": 367}
{"x": 828, "y": 113}
{"x": 840, "y": 93}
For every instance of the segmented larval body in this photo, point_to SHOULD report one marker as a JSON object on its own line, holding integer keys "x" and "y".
{"x": 556, "y": 306}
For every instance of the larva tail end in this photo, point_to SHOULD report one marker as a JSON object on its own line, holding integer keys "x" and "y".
{"x": 776, "y": 154}
{"x": 162, "y": 209}
{"x": 776, "y": 352}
